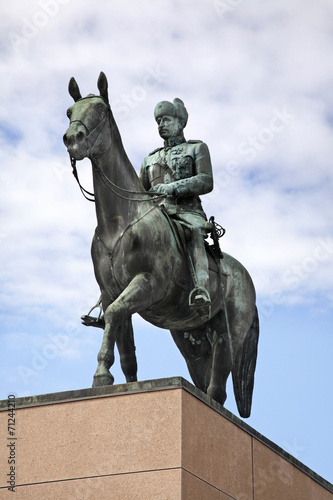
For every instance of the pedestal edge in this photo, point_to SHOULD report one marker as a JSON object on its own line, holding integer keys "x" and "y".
{"x": 159, "y": 385}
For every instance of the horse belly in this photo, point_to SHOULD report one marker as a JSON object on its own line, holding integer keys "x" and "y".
{"x": 174, "y": 311}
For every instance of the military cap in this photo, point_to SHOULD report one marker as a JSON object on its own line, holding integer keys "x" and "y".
{"x": 176, "y": 108}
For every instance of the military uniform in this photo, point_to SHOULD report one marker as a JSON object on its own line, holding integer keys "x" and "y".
{"x": 185, "y": 167}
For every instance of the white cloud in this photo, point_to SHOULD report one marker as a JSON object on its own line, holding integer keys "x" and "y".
{"x": 235, "y": 71}
{"x": 255, "y": 62}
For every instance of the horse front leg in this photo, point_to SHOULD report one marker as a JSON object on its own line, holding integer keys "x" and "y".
{"x": 118, "y": 329}
{"x": 141, "y": 292}
{"x": 105, "y": 359}
{"x": 126, "y": 349}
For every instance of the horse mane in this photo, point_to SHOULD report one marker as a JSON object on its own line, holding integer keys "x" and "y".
{"x": 118, "y": 151}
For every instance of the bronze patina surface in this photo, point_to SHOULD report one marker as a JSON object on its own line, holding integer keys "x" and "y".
{"x": 149, "y": 254}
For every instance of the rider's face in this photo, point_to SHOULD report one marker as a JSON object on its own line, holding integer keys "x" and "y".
{"x": 169, "y": 126}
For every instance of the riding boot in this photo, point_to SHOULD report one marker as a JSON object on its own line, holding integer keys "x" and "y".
{"x": 199, "y": 296}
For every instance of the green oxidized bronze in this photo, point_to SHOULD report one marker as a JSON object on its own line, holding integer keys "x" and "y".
{"x": 182, "y": 171}
{"x": 150, "y": 256}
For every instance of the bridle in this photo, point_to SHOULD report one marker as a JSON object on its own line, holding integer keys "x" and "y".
{"x": 91, "y": 139}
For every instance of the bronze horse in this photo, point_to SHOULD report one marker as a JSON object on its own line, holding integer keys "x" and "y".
{"x": 141, "y": 266}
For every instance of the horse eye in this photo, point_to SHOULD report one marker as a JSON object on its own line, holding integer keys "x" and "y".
{"x": 69, "y": 113}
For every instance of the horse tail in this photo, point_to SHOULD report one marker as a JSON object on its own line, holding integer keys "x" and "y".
{"x": 244, "y": 368}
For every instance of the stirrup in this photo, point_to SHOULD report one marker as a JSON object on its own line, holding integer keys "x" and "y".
{"x": 98, "y": 322}
{"x": 91, "y": 321}
{"x": 199, "y": 297}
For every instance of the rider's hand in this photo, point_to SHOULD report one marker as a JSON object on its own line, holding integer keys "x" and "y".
{"x": 166, "y": 189}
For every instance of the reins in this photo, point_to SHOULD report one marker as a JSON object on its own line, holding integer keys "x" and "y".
{"x": 85, "y": 193}
{"x": 111, "y": 185}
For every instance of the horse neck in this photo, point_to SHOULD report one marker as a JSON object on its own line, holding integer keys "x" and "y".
{"x": 116, "y": 208}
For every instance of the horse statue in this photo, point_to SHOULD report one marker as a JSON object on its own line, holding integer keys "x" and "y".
{"x": 141, "y": 266}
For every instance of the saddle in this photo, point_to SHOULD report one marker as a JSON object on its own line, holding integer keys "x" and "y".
{"x": 182, "y": 234}
{"x": 199, "y": 296}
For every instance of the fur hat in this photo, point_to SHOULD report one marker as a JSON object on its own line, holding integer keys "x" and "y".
{"x": 176, "y": 108}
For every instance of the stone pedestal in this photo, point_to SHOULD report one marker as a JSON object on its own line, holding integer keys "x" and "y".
{"x": 154, "y": 440}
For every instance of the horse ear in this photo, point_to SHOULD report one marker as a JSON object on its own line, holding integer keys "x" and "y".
{"x": 102, "y": 85}
{"x": 74, "y": 90}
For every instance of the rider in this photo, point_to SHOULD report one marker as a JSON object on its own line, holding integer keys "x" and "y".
{"x": 182, "y": 170}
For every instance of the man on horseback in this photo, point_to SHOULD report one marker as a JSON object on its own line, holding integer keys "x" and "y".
{"x": 182, "y": 171}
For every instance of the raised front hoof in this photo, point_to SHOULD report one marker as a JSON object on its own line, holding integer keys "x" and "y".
{"x": 100, "y": 380}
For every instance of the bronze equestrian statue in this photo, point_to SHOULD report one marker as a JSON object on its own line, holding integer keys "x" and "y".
{"x": 147, "y": 256}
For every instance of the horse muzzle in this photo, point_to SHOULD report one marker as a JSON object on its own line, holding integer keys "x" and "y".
{"x": 75, "y": 141}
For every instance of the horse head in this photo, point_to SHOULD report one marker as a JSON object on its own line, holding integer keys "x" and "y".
{"x": 89, "y": 134}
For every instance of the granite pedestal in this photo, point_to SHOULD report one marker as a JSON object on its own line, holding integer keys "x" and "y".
{"x": 154, "y": 440}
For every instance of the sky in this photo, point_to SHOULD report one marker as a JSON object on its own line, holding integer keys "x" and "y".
{"x": 256, "y": 78}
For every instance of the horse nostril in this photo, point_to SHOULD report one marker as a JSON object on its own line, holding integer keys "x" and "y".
{"x": 79, "y": 136}
{"x": 70, "y": 139}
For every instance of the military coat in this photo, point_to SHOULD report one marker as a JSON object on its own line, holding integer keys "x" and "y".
{"x": 186, "y": 167}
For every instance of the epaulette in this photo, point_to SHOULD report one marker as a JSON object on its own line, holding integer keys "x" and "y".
{"x": 193, "y": 141}
{"x": 155, "y": 151}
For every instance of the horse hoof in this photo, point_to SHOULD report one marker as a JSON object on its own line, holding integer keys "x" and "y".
{"x": 100, "y": 380}
{"x": 217, "y": 394}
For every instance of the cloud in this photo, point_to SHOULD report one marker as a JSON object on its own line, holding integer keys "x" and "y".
{"x": 250, "y": 96}
{"x": 256, "y": 78}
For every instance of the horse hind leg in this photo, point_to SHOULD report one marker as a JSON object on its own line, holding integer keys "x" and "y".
{"x": 196, "y": 350}
{"x": 244, "y": 368}
{"x": 221, "y": 359}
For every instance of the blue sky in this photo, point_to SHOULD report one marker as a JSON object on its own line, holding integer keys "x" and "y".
{"x": 256, "y": 78}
